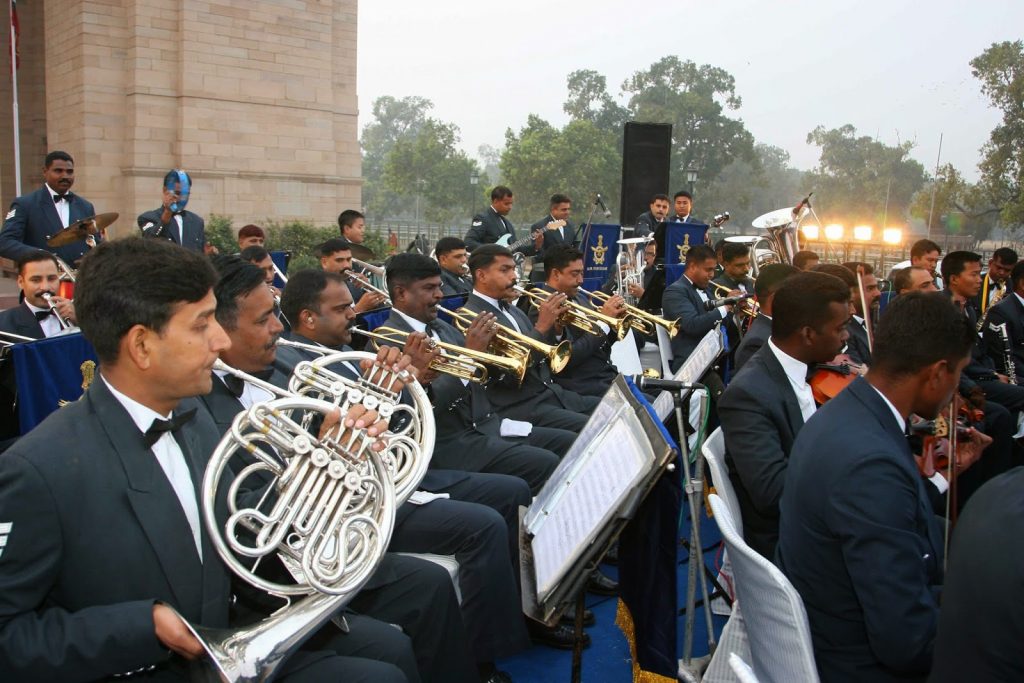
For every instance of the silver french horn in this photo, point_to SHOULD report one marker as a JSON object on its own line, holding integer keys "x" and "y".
{"x": 324, "y": 505}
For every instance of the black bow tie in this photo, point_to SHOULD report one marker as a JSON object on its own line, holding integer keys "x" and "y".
{"x": 159, "y": 426}
{"x": 236, "y": 385}
{"x": 504, "y": 306}
{"x": 66, "y": 197}
{"x": 43, "y": 315}
{"x": 434, "y": 326}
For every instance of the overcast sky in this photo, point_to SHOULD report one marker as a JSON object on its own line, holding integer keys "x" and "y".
{"x": 897, "y": 70}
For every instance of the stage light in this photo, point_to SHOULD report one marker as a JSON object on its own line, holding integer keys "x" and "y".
{"x": 892, "y": 236}
{"x": 862, "y": 233}
{"x": 810, "y": 231}
{"x": 834, "y": 232}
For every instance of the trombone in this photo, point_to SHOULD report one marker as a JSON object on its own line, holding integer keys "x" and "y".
{"x": 457, "y": 361}
{"x": 508, "y": 342}
{"x": 360, "y": 281}
{"x": 580, "y": 316}
{"x": 642, "y": 321}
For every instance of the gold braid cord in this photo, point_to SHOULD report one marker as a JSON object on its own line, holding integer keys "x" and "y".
{"x": 624, "y": 620}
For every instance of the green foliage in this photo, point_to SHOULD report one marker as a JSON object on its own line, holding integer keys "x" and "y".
{"x": 393, "y": 120}
{"x": 429, "y": 164}
{"x": 579, "y": 160}
{"x": 221, "y": 234}
{"x": 1000, "y": 69}
{"x": 694, "y": 99}
{"x": 861, "y": 179}
{"x": 747, "y": 189}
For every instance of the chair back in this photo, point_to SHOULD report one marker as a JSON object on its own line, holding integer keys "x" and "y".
{"x": 714, "y": 453}
{"x": 665, "y": 349}
{"x": 773, "y": 613}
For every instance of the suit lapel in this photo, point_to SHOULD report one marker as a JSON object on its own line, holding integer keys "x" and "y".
{"x": 154, "y": 502}
{"x": 50, "y": 211}
{"x": 26, "y": 324}
{"x": 790, "y": 405}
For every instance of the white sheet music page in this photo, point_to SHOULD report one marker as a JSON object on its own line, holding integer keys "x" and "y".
{"x": 697, "y": 363}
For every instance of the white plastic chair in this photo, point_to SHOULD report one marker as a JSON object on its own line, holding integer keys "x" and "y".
{"x": 450, "y": 564}
{"x": 742, "y": 670}
{"x": 774, "y": 615}
{"x": 665, "y": 349}
{"x": 714, "y": 453}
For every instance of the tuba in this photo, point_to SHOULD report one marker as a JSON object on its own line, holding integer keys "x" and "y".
{"x": 326, "y": 509}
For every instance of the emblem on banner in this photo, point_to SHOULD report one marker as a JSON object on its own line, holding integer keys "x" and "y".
{"x": 599, "y": 251}
{"x": 88, "y": 369}
{"x": 684, "y": 247}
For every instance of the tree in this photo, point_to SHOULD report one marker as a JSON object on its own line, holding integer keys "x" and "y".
{"x": 862, "y": 180}
{"x": 694, "y": 99}
{"x": 393, "y": 120}
{"x": 429, "y": 166}
{"x": 589, "y": 101}
{"x": 1000, "y": 69}
{"x": 747, "y": 189}
{"x": 579, "y": 160}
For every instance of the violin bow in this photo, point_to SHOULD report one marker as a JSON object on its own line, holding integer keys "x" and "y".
{"x": 864, "y": 309}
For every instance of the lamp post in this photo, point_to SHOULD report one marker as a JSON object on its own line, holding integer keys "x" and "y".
{"x": 691, "y": 177}
{"x": 474, "y": 179}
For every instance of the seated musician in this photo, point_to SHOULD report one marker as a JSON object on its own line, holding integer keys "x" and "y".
{"x": 451, "y": 256}
{"x": 857, "y": 536}
{"x": 912, "y": 279}
{"x": 104, "y": 541}
{"x": 805, "y": 260}
{"x": 769, "y": 279}
{"x": 1010, "y": 312}
{"x": 857, "y": 344}
{"x": 36, "y": 317}
{"x": 539, "y": 400}
{"x": 862, "y": 309}
{"x": 735, "y": 262}
{"x": 995, "y": 283}
{"x": 769, "y": 400}
{"x": 336, "y": 257}
{"x": 590, "y": 369}
{"x": 685, "y": 299}
{"x": 466, "y": 526}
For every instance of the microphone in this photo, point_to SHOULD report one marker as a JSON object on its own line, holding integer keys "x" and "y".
{"x": 720, "y": 218}
{"x": 600, "y": 202}
{"x": 667, "y": 384}
{"x": 725, "y": 301}
{"x": 806, "y": 201}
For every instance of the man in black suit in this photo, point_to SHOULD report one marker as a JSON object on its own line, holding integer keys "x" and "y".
{"x": 685, "y": 299}
{"x": 767, "y": 403}
{"x": 649, "y": 221}
{"x": 451, "y": 255}
{"x": 735, "y": 263}
{"x": 352, "y": 225}
{"x": 1010, "y": 312}
{"x": 34, "y": 317}
{"x": 491, "y": 226}
{"x": 683, "y": 204}
{"x": 34, "y": 218}
{"x": 590, "y": 369}
{"x": 538, "y": 400}
{"x": 336, "y": 257}
{"x": 862, "y": 309}
{"x": 769, "y": 279}
{"x": 913, "y": 279}
{"x": 981, "y": 625}
{"x": 172, "y": 221}
{"x": 857, "y": 534}
{"x": 556, "y": 230}
{"x": 994, "y": 281}
{"x": 475, "y": 534}
{"x": 857, "y": 345}
{"x": 118, "y": 475}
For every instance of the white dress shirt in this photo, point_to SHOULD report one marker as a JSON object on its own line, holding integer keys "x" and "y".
{"x": 63, "y": 207}
{"x": 420, "y": 326}
{"x": 704, "y": 297}
{"x": 172, "y": 460}
{"x": 497, "y": 304}
{"x": 50, "y": 324}
{"x": 796, "y": 373}
{"x": 251, "y": 394}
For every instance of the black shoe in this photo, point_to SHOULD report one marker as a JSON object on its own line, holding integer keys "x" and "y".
{"x": 498, "y": 677}
{"x": 560, "y": 637}
{"x": 569, "y": 617}
{"x": 601, "y": 584}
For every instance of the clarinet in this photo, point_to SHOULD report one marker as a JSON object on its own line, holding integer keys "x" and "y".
{"x": 1008, "y": 365}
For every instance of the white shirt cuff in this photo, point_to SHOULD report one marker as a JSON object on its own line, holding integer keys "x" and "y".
{"x": 939, "y": 482}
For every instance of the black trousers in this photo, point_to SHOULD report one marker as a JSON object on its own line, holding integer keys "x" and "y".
{"x": 531, "y": 459}
{"x": 371, "y": 651}
{"x": 477, "y": 535}
{"x": 1010, "y": 396}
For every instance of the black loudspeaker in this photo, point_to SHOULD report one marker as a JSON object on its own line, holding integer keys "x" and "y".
{"x": 646, "y": 155}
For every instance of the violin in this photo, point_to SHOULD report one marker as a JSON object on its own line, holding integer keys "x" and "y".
{"x": 832, "y": 377}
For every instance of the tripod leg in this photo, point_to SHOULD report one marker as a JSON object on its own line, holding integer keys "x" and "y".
{"x": 577, "y": 646}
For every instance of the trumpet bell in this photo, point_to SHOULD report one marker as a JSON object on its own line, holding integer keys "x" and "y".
{"x": 560, "y": 356}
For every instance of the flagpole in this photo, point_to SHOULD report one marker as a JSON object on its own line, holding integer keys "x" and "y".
{"x": 14, "y": 94}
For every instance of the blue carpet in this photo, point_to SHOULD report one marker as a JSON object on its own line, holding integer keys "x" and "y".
{"x": 607, "y": 659}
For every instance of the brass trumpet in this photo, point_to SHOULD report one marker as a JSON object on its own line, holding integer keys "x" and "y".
{"x": 516, "y": 345}
{"x": 360, "y": 280}
{"x": 457, "y": 361}
{"x": 580, "y": 316}
{"x": 747, "y": 307}
{"x": 643, "y": 321}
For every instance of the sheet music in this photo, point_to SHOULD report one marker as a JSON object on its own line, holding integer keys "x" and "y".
{"x": 698, "y": 363}
{"x": 588, "y": 503}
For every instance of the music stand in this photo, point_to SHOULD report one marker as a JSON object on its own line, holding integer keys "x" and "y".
{"x": 592, "y": 494}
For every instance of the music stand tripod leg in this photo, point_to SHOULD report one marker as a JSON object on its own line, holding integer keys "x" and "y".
{"x": 578, "y": 633}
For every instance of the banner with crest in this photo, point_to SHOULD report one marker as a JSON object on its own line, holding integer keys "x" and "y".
{"x": 50, "y": 373}
{"x": 679, "y": 237}
{"x": 600, "y": 246}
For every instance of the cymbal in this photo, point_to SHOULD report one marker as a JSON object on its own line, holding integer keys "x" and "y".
{"x": 773, "y": 219}
{"x": 81, "y": 229}
{"x": 363, "y": 253}
{"x": 634, "y": 240}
